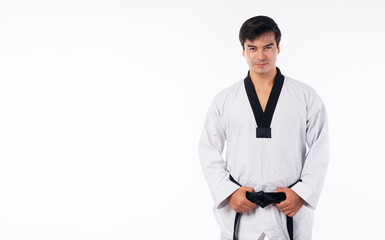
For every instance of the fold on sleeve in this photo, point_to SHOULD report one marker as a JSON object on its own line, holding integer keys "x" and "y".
{"x": 317, "y": 157}
{"x": 211, "y": 145}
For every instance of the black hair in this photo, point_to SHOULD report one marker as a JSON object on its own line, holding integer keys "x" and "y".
{"x": 255, "y": 27}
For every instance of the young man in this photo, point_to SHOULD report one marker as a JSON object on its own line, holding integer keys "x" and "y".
{"x": 277, "y": 146}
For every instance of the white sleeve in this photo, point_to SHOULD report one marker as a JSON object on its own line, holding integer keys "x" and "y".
{"x": 211, "y": 146}
{"x": 317, "y": 158}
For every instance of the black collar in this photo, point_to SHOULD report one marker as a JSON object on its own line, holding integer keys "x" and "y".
{"x": 263, "y": 119}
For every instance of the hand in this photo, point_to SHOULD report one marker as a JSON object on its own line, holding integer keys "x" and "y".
{"x": 292, "y": 204}
{"x": 239, "y": 202}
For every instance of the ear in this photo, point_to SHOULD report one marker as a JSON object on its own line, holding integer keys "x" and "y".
{"x": 278, "y": 49}
{"x": 243, "y": 53}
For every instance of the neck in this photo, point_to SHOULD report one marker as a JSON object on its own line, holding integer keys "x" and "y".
{"x": 263, "y": 80}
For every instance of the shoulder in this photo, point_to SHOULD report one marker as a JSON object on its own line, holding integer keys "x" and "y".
{"x": 227, "y": 93}
{"x": 304, "y": 91}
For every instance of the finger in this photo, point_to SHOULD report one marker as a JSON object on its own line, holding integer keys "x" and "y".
{"x": 287, "y": 208}
{"x": 291, "y": 214}
{"x": 249, "y": 189}
{"x": 249, "y": 204}
{"x": 278, "y": 205}
{"x": 254, "y": 206}
{"x": 246, "y": 209}
{"x": 288, "y": 213}
{"x": 294, "y": 213}
{"x": 241, "y": 209}
{"x": 245, "y": 200}
{"x": 249, "y": 209}
{"x": 280, "y": 208}
{"x": 280, "y": 189}
{"x": 283, "y": 204}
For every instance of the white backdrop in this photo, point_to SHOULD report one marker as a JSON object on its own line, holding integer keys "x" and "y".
{"x": 102, "y": 104}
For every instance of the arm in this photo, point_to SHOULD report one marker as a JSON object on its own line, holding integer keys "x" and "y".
{"x": 317, "y": 158}
{"x": 211, "y": 146}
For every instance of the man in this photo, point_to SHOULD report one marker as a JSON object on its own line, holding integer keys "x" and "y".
{"x": 276, "y": 134}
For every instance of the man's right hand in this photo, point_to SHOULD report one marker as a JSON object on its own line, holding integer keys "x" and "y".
{"x": 239, "y": 202}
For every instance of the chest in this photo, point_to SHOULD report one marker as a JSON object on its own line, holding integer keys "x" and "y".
{"x": 263, "y": 97}
{"x": 288, "y": 120}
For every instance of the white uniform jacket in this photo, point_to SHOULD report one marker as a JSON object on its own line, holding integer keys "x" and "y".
{"x": 298, "y": 149}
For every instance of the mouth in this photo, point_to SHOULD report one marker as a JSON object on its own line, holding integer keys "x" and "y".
{"x": 261, "y": 64}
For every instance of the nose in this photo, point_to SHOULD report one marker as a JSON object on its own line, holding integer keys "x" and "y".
{"x": 260, "y": 55}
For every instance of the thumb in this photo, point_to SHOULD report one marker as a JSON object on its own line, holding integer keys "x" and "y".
{"x": 280, "y": 189}
{"x": 249, "y": 189}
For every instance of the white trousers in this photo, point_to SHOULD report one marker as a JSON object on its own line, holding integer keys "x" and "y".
{"x": 262, "y": 237}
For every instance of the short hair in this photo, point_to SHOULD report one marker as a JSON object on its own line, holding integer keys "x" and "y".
{"x": 257, "y": 26}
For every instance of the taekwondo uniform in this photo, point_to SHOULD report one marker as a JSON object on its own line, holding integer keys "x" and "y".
{"x": 265, "y": 150}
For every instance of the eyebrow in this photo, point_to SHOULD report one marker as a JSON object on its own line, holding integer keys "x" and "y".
{"x": 268, "y": 45}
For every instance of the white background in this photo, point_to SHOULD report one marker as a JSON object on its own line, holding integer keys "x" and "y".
{"x": 102, "y": 104}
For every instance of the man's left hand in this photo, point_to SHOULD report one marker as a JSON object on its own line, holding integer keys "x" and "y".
{"x": 292, "y": 204}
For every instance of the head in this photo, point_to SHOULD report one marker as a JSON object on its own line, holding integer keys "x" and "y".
{"x": 260, "y": 37}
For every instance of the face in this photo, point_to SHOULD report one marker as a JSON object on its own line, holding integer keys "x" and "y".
{"x": 261, "y": 54}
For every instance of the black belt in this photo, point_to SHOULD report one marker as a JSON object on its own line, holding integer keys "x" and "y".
{"x": 264, "y": 199}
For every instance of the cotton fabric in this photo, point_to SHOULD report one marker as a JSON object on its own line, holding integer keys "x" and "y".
{"x": 298, "y": 149}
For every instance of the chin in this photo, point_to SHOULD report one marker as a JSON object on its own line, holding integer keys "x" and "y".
{"x": 263, "y": 70}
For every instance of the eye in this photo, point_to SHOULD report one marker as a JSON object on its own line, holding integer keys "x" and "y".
{"x": 269, "y": 47}
{"x": 252, "y": 49}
